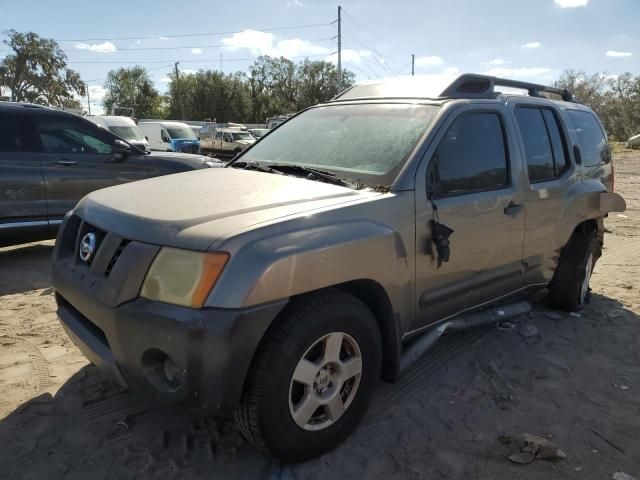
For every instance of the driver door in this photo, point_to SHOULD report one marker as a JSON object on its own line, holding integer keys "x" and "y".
{"x": 473, "y": 177}
{"x": 78, "y": 158}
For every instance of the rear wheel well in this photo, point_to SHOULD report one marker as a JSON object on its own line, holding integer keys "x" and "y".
{"x": 594, "y": 226}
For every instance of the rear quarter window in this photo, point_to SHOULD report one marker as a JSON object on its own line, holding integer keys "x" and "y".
{"x": 591, "y": 138}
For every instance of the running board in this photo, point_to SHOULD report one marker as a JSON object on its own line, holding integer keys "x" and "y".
{"x": 492, "y": 315}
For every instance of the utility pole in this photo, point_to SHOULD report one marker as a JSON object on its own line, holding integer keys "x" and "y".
{"x": 179, "y": 91}
{"x": 88, "y": 100}
{"x": 339, "y": 48}
{"x": 413, "y": 59}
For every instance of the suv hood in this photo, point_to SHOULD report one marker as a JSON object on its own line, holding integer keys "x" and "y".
{"x": 193, "y": 209}
{"x": 190, "y": 159}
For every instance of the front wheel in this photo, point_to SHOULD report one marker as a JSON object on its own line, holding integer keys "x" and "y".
{"x": 312, "y": 377}
{"x": 569, "y": 290}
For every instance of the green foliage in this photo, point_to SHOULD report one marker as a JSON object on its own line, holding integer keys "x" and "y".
{"x": 37, "y": 71}
{"x": 616, "y": 100}
{"x": 132, "y": 88}
{"x": 274, "y": 86}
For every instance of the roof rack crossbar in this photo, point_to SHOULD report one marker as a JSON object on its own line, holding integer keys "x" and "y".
{"x": 483, "y": 86}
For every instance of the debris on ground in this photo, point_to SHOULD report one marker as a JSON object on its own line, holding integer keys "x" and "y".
{"x": 553, "y": 315}
{"x": 622, "y": 476}
{"x": 528, "y": 330}
{"x": 621, "y": 387}
{"x": 575, "y": 315}
{"x": 526, "y": 448}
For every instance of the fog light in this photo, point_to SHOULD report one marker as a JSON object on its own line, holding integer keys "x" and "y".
{"x": 172, "y": 372}
{"x": 161, "y": 371}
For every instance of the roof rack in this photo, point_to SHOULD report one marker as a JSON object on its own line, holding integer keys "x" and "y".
{"x": 483, "y": 86}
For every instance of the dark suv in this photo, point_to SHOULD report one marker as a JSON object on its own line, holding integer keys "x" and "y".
{"x": 50, "y": 159}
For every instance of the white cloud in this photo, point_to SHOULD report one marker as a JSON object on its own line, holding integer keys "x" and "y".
{"x": 430, "y": 61}
{"x": 497, "y": 61}
{"x": 524, "y": 72}
{"x": 451, "y": 71}
{"x": 616, "y": 54}
{"x": 160, "y": 37}
{"x": 571, "y": 3}
{"x": 104, "y": 47}
{"x": 532, "y": 45}
{"x": 138, "y": 42}
{"x": 196, "y": 51}
{"x": 265, "y": 43}
{"x": 296, "y": 3}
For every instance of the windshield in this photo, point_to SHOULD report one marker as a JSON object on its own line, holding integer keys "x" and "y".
{"x": 365, "y": 142}
{"x": 242, "y": 136}
{"x": 128, "y": 133}
{"x": 181, "y": 133}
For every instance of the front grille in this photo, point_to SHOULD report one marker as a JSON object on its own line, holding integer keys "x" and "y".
{"x": 116, "y": 256}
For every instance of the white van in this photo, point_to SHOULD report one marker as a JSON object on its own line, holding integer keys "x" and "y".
{"x": 124, "y": 127}
{"x": 170, "y": 137}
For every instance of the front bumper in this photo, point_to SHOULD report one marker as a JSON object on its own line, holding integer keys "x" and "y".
{"x": 211, "y": 348}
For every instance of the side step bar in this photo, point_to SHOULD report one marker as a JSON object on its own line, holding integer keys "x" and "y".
{"x": 492, "y": 315}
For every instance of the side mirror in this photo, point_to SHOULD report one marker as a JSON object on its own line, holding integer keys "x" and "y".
{"x": 146, "y": 138}
{"x": 121, "y": 149}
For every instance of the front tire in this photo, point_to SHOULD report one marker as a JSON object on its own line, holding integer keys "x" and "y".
{"x": 569, "y": 290}
{"x": 312, "y": 377}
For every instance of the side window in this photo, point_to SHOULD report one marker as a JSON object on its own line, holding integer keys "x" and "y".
{"x": 593, "y": 143}
{"x": 218, "y": 135}
{"x": 228, "y": 137}
{"x": 60, "y": 135}
{"x": 558, "y": 143}
{"x": 472, "y": 156}
{"x": 11, "y": 139}
{"x": 543, "y": 143}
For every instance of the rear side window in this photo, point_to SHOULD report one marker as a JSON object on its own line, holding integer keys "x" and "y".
{"x": 593, "y": 143}
{"x": 543, "y": 143}
{"x": 472, "y": 156}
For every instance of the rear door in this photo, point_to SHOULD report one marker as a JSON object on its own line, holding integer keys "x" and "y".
{"x": 23, "y": 207}
{"x": 550, "y": 176}
{"x": 78, "y": 158}
{"x": 472, "y": 184}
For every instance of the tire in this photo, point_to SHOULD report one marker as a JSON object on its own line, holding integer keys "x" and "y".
{"x": 569, "y": 290}
{"x": 297, "y": 344}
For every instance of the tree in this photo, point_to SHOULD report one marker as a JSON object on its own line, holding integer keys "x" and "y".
{"x": 132, "y": 88}
{"x": 318, "y": 82}
{"x": 37, "y": 71}
{"x": 614, "y": 98}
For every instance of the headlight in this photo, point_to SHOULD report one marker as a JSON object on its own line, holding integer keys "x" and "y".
{"x": 183, "y": 277}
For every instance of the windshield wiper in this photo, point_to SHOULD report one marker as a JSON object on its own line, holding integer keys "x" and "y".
{"x": 314, "y": 174}
{"x": 255, "y": 166}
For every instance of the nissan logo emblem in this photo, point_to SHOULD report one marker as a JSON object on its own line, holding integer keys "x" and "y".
{"x": 87, "y": 246}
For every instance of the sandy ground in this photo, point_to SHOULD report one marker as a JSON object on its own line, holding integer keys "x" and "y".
{"x": 573, "y": 379}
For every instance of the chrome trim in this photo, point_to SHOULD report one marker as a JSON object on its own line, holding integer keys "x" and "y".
{"x": 35, "y": 223}
{"x": 55, "y": 222}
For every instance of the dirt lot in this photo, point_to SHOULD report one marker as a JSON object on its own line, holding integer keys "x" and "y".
{"x": 572, "y": 379}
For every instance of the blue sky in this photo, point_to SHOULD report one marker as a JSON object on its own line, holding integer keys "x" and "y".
{"x": 525, "y": 39}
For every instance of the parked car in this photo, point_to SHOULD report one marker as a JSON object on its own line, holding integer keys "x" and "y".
{"x": 228, "y": 141}
{"x": 50, "y": 159}
{"x": 258, "y": 132}
{"x": 170, "y": 137}
{"x": 634, "y": 142}
{"x": 124, "y": 127}
{"x": 342, "y": 250}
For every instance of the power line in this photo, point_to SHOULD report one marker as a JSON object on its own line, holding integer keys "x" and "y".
{"x": 147, "y": 69}
{"x": 371, "y": 37}
{"x": 182, "y": 35}
{"x": 199, "y": 60}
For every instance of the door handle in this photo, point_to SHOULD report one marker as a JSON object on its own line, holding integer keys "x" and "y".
{"x": 66, "y": 163}
{"x": 513, "y": 209}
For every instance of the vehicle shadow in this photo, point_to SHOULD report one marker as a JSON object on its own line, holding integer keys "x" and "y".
{"x": 25, "y": 267}
{"x": 442, "y": 419}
